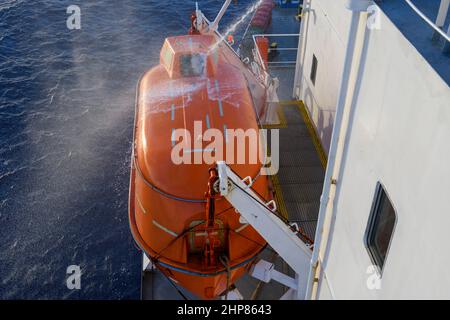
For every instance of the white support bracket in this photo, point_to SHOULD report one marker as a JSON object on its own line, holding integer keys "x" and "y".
{"x": 265, "y": 271}
{"x": 261, "y": 217}
{"x": 272, "y": 101}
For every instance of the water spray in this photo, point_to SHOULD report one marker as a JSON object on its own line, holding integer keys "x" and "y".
{"x": 234, "y": 26}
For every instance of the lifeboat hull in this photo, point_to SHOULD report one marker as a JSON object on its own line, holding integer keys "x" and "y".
{"x": 203, "y": 285}
{"x": 203, "y": 251}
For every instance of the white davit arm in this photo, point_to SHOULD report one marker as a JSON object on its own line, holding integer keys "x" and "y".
{"x": 259, "y": 215}
{"x": 215, "y": 24}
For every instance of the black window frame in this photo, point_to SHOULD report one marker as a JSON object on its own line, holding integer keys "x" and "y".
{"x": 369, "y": 237}
{"x": 314, "y": 66}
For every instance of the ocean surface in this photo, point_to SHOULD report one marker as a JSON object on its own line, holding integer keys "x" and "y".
{"x": 66, "y": 121}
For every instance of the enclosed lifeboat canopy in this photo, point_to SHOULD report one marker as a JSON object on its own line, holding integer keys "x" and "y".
{"x": 193, "y": 235}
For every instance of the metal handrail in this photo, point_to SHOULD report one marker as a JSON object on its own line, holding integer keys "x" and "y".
{"x": 427, "y": 20}
{"x": 261, "y": 62}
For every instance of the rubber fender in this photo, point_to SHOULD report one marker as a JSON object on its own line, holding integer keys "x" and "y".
{"x": 264, "y": 11}
{"x": 261, "y": 22}
{"x": 269, "y": 2}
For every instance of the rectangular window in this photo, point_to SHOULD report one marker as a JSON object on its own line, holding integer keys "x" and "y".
{"x": 380, "y": 227}
{"x": 313, "y": 70}
{"x": 192, "y": 65}
{"x": 167, "y": 57}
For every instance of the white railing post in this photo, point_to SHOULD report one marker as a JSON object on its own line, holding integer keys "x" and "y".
{"x": 427, "y": 20}
{"x": 441, "y": 17}
{"x": 442, "y": 13}
{"x": 446, "y": 48}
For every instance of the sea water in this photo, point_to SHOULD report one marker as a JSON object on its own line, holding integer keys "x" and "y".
{"x": 66, "y": 125}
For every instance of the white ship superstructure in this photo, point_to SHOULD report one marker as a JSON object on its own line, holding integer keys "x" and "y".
{"x": 380, "y": 103}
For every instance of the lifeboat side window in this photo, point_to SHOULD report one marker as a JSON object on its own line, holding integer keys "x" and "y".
{"x": 192, "y": 65}
{"x": 167, "y": 57}
{"x": 380, "y": 227}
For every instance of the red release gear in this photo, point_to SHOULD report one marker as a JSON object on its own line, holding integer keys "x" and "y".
{"x": 211, "y": 236}
{"x": 193, "y": 30}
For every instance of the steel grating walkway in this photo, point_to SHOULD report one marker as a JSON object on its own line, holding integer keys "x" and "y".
{"x": 300, "y": 178}
{"x": 297, "y": 186}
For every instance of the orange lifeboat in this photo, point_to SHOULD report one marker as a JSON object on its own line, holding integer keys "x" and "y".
{"x": 194, "y": 236}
